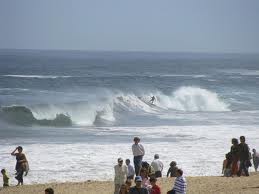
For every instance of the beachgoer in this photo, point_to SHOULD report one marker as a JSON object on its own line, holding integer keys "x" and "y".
{"x": 5, "y": 178}
{"x": 255, "y": 157}
{"x": 138, "y": 189}
{"x": 244, "y": 157}
{"x": 120, "y": 177}
{"x": 128, "y": 184}
{"x": 123, "y": 189}
{"x": 152, "y": 99}
{"x": 155, "y": 188}
{"x": 172, "y": 171}
{"x": 180, "y": 184}
{"x": 226, "y": 169}
{"x": 131, "y": 171}
{"x": 149, "y": 169}
{"x": 138, "y": 153}
{"x": 21, "y": 163}
{"x": 145, "y": 182}
{"x": 234, "y": 156}
{"x": 49, "y": 191}
{"x": 157, "y": 165}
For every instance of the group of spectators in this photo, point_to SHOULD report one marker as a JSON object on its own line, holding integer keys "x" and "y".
{"x": 145, "y": 174}
{"x": 238, "y": 160}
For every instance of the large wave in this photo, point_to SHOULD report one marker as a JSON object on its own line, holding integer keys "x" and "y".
{"x": 103, "y": 110}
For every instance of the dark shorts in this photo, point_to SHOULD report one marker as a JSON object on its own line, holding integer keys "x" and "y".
{"x": 158, "y": 174}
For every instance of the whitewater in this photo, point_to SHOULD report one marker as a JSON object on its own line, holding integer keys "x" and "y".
{"x": 76, "y": 112}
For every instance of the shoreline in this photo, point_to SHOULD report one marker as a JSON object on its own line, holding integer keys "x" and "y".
{"x": 201, "y": 185}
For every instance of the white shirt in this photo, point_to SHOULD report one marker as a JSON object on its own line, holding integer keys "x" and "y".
{"x": 138, "y": 150}
{"x": 131, "y": 171}
{"x": 157, "y": 165}
{"x": 120, "y": 174}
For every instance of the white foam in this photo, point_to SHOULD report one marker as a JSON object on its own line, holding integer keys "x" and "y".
{"x": 198, "y": 150}
{"x": 37, "y": 76}
{"x": 193, "y": 99}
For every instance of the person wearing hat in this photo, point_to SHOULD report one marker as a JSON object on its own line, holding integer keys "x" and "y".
{"x": 138, "y": 189}
{"x": 157, "y": 165}
{"x": 121, "y": 172}
{"x": 138, "y": 153}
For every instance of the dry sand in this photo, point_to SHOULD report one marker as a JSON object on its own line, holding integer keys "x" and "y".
{"x": 196, "y": 185}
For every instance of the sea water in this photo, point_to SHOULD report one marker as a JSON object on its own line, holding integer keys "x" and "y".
{"x": 76, "y": 112}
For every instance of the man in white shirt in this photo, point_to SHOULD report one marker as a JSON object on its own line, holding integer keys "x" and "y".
{"x": 157, "y": 165}
{"x": 121, "y": 172}
{"x": 138, "y": 153}
{"x": 131, "y": 171}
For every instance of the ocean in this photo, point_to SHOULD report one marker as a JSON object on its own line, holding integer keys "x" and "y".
{"x": 76, "y": 112}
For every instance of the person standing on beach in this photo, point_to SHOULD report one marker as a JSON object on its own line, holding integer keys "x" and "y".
{"x": 234, "y": 156}
{"x": 255, "y": 157}
{"x": 121, "y": 172}
{"x": 172, "y": 171}
{"x": 130, "y": 170}
{"x": 21, "y": 163}
{"x": 244, "y": 157}
{"x": 138, "y": 153}
{"x": 157, "y": 165}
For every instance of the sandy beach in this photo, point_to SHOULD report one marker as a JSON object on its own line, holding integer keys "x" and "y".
{"x": 204, "y": 184}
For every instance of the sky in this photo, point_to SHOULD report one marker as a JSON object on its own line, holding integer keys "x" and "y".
{"x": 220, "y": 26}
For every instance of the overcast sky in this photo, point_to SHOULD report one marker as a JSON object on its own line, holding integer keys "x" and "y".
{"x": 131, "y": 25}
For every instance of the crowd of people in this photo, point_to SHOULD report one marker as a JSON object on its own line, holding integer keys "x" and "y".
{"x": 238, "y": 160}
{"x": 146, "y": 174}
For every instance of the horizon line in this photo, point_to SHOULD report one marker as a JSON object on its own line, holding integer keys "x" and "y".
{"x": 131, "y": 51}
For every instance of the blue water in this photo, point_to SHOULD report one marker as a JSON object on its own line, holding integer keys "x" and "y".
{"x": 60, "y": 101}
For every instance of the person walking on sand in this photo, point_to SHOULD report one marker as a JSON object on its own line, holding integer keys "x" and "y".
{"x": 121, "y": 172}
{"x": 157, "y": 165}
{"x": 244, "y": 157}
{"x": 138, "y": 153}
{"x": 180, "y": 185}
{"x": 255, "y": 157}
{"x": 5, "y": 178}
{"x": 21, "y": 164}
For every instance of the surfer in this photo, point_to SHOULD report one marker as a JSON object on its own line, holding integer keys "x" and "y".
{"x": 152, "y": 99}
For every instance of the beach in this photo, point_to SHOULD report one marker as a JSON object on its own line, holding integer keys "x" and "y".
{"x": 201, "y": 185}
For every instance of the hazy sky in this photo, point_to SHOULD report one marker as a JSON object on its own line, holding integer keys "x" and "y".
{"x": 131, "y": 25}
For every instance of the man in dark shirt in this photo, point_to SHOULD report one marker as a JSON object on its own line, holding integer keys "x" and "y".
{"x": 244, "y": 156}
{"x": 138, "y": 189}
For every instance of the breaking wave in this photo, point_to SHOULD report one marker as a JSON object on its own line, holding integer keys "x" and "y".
{"x": 104, "y": 110}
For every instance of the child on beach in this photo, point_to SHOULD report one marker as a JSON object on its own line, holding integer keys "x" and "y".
{"x": 155, "y": 188}
{"x": 226, "y": 169}
{"x": 172, "y": 169}
{"x": 123, "y": 189}
{"x": 5, "y": 178}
